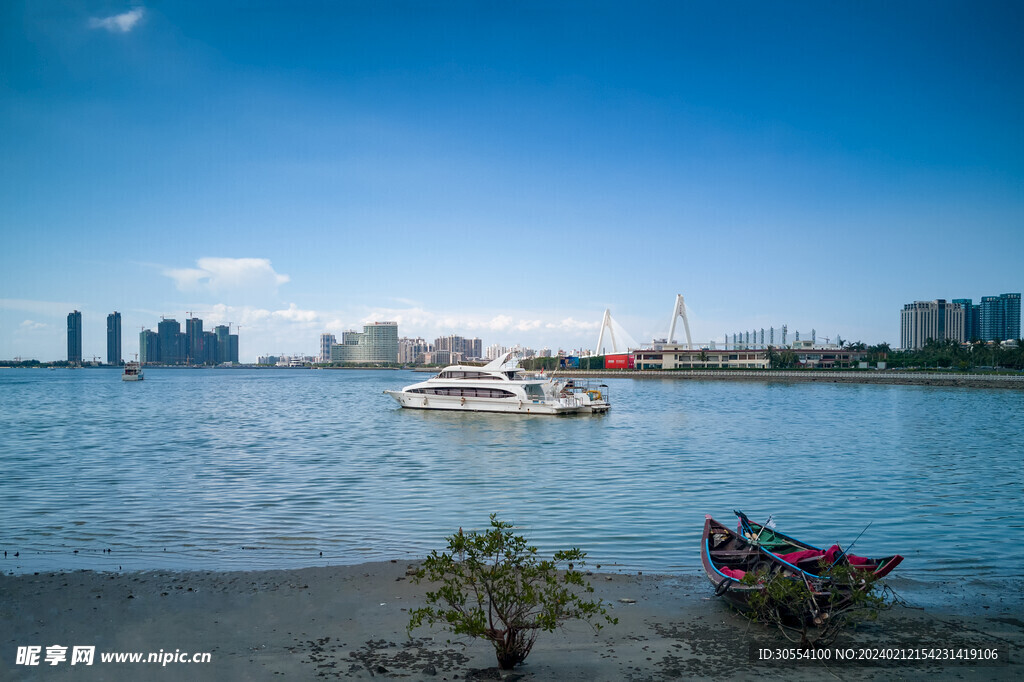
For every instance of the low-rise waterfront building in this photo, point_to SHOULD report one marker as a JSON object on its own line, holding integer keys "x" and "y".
{"x": 677, "y": 356}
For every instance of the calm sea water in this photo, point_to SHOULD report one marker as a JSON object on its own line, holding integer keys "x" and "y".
{"x": 230, "y": 469}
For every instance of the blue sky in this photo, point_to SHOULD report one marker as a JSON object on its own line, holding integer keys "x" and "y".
{"x": 503, "y": 170}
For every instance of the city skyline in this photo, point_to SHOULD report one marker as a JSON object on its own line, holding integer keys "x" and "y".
{"x": 506, "y": 173}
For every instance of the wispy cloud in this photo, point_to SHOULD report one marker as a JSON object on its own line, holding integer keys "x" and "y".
{"x": 51, "y": 308}
{"x": 571, "y": 324}
{"x": 31, "y": 325}
{"x": 119, "y": 23}
{"x": 219, "y": 275}
{"x": 424, "y": 322}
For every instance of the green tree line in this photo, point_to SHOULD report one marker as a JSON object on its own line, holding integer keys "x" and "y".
{"x": 951, "y": 354}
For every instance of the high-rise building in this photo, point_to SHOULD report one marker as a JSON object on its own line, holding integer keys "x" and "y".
{"x": 75, "y": 337}
{"x": 210, "y": 349}
{"x": 194, "y": 347}
{"x": 223, "y": 333}
{"x": 923, "y": 321}
{"x": 326, "y": 341}
{"x": 1012, "y": 308}
{"x": 114, "y": 356}
{"x": 172, "y": 347}
{"x": 412, "y": 350}
{"x": 149, "y": 347}
{"x": 233, "y": 348}
{"x": 378, "y": 343}
{"x": 972, "y": 316}
{"x": 466, "y": 348}
{"x": 1000, "y": 317}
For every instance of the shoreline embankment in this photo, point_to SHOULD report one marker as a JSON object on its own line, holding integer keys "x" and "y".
{"x": 881, "y": 378}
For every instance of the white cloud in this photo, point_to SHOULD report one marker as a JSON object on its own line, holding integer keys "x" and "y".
{"x": 30, "y": 325}
{"x": 119, "y": 23}
{"x": 295, "y": 314}
{"x": 500, "y": 323}
{"x": 221, "y": 275}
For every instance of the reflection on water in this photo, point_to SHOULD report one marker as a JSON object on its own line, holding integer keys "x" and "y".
{"x": 260, "y": 469}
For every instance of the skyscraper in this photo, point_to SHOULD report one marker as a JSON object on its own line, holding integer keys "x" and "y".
{"x": 194, "y": 345}
{"x": 210, "y": 349}
{"x": 1000, "y": 317}
{"x": 972, "y": 313}
{"x": 171, "y": 345}
{"x": 222, "y": 333}
{"x": 149, "y": 347}
{"x": 326, "y": 341}
{"x": 1012, "y": 307}
{"x": 75, "y": 337}
{"x": 114, "y": 356}
{"x": 923, "y": 321}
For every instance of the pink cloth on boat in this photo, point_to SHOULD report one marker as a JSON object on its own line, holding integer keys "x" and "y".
{"x": 794, "y": 557}
{"x": 733, "y": 572}
{"x": 830, "y": 556}
{"x": 853, "y": 559}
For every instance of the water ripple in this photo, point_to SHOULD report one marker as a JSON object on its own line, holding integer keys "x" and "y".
{"x": 265, "y": 469}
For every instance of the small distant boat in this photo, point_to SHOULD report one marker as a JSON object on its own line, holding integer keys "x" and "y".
{"x": 729, "y": 556}
{"x": 132, "y": 372}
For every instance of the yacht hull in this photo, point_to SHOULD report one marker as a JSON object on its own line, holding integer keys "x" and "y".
{"x": 420, "y": 401}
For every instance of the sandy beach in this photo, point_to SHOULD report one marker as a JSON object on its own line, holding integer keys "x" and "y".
{"x": 349, "y": 622}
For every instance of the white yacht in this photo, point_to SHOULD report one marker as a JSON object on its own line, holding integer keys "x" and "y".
{"x": 499, "y": 386}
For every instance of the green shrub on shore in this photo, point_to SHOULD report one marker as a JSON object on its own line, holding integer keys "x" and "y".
{"x": 493, "y": 586}
{"x": 787, "y": 603}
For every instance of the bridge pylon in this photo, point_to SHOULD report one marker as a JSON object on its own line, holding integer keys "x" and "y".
{"x": 606, "y": 323}
{"x": 680, "y": 311}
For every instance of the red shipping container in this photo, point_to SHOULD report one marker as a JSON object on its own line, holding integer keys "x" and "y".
{"x": 618, "y": 361}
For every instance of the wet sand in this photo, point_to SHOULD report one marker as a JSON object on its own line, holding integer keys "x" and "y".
{"x": 349, "y": 622}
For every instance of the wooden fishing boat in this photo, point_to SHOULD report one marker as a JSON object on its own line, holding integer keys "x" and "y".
{"x": 729, "y": 557}
{"x": 807, "y": 557}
